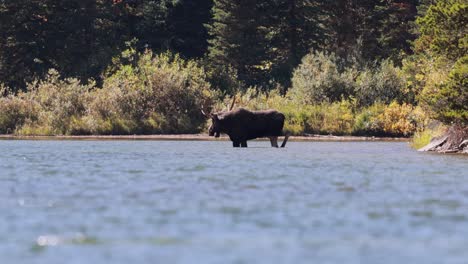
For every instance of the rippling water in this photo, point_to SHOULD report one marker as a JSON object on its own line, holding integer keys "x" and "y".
{"x": 206, "y": 202}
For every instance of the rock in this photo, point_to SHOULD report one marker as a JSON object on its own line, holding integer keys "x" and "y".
{"x": 435, "y": 143}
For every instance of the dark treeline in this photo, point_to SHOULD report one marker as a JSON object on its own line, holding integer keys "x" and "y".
{"x": 79, "y": 38}
{"x": 261, "y": 40}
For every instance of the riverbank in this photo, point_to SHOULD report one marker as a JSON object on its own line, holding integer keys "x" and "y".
{"x": 198, "y": 137}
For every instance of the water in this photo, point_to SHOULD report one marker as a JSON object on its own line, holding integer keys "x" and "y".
{"x": 205, "y": 202}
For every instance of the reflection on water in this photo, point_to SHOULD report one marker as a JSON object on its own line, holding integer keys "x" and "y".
{"x": 205, "y": 202}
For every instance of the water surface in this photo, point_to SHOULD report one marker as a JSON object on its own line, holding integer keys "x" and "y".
{"x": 205, "y": 202}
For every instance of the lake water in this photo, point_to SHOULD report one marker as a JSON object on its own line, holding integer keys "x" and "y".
{"x": 206, "y": 202}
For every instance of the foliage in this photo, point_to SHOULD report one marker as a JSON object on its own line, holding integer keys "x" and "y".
{"x": 389, "y": 120}
{"x": 318, "y": 79}
{"x": 382, "y": 83}
{"x": 76, "y": 37}
{"x": 367, "y": 121}
{"x": 60, "y": 103}
{"x": 239, "y": 39}
{"x": 160, "y": 94}
{"x": 397, "y": 121}
{"x": 175, "y": 25}
{"x": 294, "y": 27}
{"x": 423, "y": 137}
{"x": 448, "y": 100}
{"x": 223, "y": 79}
{"x": 323, "y": 77}
{"x": 441, "y": 55}
{"x": 80, "y": 37}
{"x": 374, "y": 30}
{"x": 361, "y": 77}
{"x": 443, "y": 29}
{"x": 15, "y": 111}
{"x": 337, "y": 118}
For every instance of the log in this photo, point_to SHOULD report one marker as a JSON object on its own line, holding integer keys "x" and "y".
{"x": 464, "y": 144}
{"x": 435, "y": 143}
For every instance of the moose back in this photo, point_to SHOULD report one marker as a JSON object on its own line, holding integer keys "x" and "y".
{"x": 242, "y": 125}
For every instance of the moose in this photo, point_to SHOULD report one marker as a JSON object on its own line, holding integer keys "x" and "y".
{"x": 242, "y": 125}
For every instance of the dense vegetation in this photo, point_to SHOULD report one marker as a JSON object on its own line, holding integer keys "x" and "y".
{"x": 369, "y": 67}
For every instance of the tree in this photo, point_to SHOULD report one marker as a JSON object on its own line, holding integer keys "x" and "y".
{"x": 449, "y": 101}
{"x": 370, "y": 30}
{"x": 187, "y": 23}
{"x": 443, "y": 30}
{"x": 76, "y": 37}
{"x": 294, "y": 28}
{"x": 238, "y": 38}
{"x": 444, "y": 40}
{"x": 396, "y": 29}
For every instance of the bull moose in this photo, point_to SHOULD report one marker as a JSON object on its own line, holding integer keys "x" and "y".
{"x": 242, "y": 125}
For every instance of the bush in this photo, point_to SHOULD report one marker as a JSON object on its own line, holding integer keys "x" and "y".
{"x": 338, "y": 118}
{"x": 423, "y": 137}
{"x": 159, "y": 94}
{"x": 61, "y": 102}
{"x": 318, "y": 79}
{"x": 397, "y": 120}
{"x": 15, "y": 111}
{"x": 383, "y": 83}
{"x": 448, "y": 98}
{"x": 367, "y": 121}
{"x": 389, "y": 120}
{"x": 51, "y": 106}
{"x": 223, "y": 79}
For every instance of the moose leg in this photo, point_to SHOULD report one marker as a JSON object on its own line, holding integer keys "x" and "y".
{"x": 236, "y": 144}
{"x": 244, "y": 144}
{"x": 286, "y": 137}
{"x": 274, "y": 142}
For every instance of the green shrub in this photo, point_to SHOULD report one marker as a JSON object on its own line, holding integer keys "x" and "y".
{"x": 223, "y": 79}
{"x": 448, "y": 98}
{"x": 389, "y": 120}
{"x": 367, "y": 121}
{"x": 50, "y": 106}
{"x": 157, "y": 94}
{"x": 383, "y": 84}
{"x": 338, "y": 118}
{"x": 396, "y": 120}
{"x": 317, "y": 79}
{"x": 15, "y": 111}
{"x": 60, "y": 103}
{"x": 423, "y": 137}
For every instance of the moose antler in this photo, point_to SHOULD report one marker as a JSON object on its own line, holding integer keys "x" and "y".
{"x": 203, "y": 107}
{"x": 233, "y": 103}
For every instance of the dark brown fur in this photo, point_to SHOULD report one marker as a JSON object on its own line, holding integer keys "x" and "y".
{"x": 242, "y": 125}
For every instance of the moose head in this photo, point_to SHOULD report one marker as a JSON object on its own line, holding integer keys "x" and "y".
{"x": 216, "y": 118}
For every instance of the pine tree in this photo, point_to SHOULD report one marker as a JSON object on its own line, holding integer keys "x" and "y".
{"x": 444, "y": 39}
{"x": 176, "y": 25}
{"x": 295, "y": 28}
{"x": 77, "y": 38}
{"x": 238, "y": 38}
{"x": 395, "y": 29}
{"x": 187, "y": 21}
{"x": 369, "y": 30}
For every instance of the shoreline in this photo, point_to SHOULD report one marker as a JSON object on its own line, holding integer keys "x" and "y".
{"x": 202, "y": 137}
